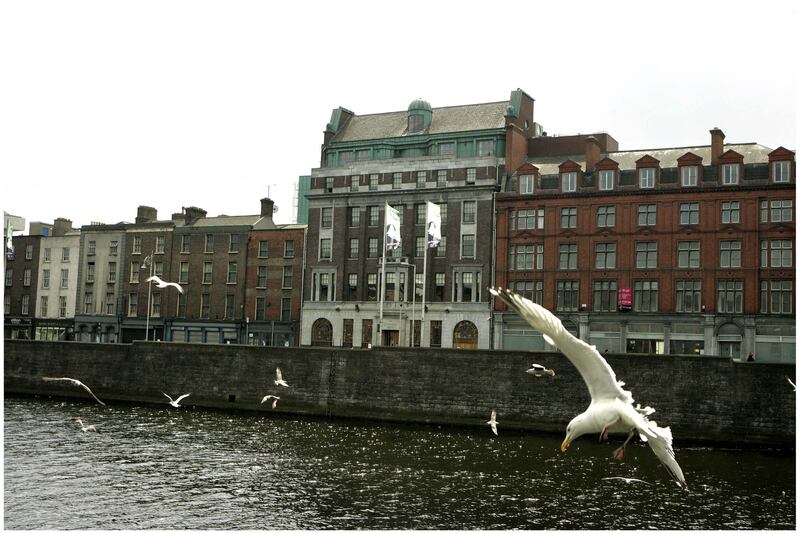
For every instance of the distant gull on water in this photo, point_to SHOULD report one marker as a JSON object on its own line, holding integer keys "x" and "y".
{"x": 86, "y": 428}
{"x": 77, "y": 384}
{"x": 175, "y": 403}
{"x": 628, "y": 480}
{"x": 611, "y": 408}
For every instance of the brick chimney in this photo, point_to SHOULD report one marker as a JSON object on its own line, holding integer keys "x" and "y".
{"x": 592, "y": 152}
{"x": 267, "y": 208}
{"x": 717, "y": 139}
{"x": 146, "y": 214}
{"x": 193, "y": 214}
{"x": 61, "y": 226}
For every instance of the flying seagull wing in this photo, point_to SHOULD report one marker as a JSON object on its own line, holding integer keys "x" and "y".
{"x": 168, "y": 396}
{"x": 660, "y": 441}
{"x": 155, "y": 279}
{"x": 173, "y": 284}
{"x": 182, "y": 397}
{"x": 76, "y": 383}
{"x": 595, "y": 371}
{"x": 279, "y": 376}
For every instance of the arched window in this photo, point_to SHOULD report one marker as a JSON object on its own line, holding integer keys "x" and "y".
{"x": 322, "y": 333}
{"x": 465, "y": 335}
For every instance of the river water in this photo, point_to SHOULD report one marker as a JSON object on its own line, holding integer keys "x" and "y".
{"x": 159, "y": 467}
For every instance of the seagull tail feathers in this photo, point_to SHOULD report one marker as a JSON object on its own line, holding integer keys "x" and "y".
{"x": 644, "y": 411}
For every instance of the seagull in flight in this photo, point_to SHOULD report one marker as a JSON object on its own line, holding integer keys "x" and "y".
{"x": 539, "y": 371}
{"x": 272, "y": 397}
{"x": 791, "y": 383}
{"x": 175, "y": 403}
{"x": 85, "y": 428}
{"x": 77, "y": 384}
{"x": 160, "y": 283}
{"x": 611, "y": 408}
{"x": 628, "y": 480}
{"x": 279, "y": 378}
{"x": 493, "y": 422}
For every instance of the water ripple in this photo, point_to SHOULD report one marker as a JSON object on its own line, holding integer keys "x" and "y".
{"x": 161, "y": 468}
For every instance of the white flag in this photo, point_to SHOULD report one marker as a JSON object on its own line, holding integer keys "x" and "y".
{"x": 392, "y": 223}
{"x": 9, "y": 242}
{"x": 433, "y": 221}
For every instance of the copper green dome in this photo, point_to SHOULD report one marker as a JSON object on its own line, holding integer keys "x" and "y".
{"x": 419, "y": 105}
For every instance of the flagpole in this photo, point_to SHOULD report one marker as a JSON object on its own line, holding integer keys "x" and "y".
{"x": 382, "y": 281}
{"x": 424, "y": 280}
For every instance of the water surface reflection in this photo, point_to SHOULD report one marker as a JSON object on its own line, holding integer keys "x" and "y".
{"x": 158, "y": 467}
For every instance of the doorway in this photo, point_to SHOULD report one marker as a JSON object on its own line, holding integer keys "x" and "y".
{"x": 391, "y": 337}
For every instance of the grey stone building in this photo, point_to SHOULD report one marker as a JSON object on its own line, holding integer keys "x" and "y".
{"x": 450, "y": 156}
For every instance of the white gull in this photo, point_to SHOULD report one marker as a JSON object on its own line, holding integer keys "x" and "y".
{"x": 611, "y": 408}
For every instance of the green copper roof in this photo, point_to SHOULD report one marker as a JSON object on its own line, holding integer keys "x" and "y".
{"x": 419, "y": 104}
{"x": 465, "y": 118}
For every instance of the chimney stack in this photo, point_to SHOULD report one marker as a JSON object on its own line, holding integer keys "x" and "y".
{"x": 146, "y": 214}
{"x": 717, "y": 139}
{"x": 592, "y": 152}
{"x": 267, "y": 208}
{"x": 193, "y": 214}
{"x": 61, "y": 226}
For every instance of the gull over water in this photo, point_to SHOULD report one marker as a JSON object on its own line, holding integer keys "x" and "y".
{"x": 77, "y": 384}
{"x": 611, "y": 409}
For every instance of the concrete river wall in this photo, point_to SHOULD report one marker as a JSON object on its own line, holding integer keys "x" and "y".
{"x": 703, "y": 399}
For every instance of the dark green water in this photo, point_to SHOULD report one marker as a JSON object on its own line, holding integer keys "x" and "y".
{"x": 158, "y": 467}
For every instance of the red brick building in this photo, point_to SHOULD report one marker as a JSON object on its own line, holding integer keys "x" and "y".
{"x": 680, "y": 250}
{"x": 274, "y": 280}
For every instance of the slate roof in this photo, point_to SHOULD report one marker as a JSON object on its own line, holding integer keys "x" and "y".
{"x": 224, "y": 220}
{"x": 445, "y": 120}
{"x": 667, "y": 157}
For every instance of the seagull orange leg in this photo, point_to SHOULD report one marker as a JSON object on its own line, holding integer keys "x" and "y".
{"x": 619, "y": 453}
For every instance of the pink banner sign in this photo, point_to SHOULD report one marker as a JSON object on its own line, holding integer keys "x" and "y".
{"x": 624, "y": 299}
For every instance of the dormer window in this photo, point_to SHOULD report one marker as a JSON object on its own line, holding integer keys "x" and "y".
{"x": 606, "y": 180}
{"x": 420, "y": 114}
{"x": 689, "y": 176}
{"x": 415, "y": 123}
{"x": 781, "y": 171}
{"x": 569, "y": 181}
{"x": 647, "y": 178}
{"x": 730, "y": 174}
{"x": 526, "y": 184}
{"x": 447, "y": 148}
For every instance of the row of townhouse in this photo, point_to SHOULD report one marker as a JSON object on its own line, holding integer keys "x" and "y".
{"x": 241, "y": 277}
{"x": 684, "y": 250}
{"x": 680, "y": 250}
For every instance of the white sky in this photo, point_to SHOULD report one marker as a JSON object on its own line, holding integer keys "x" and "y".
{"x": 106, "y": 105}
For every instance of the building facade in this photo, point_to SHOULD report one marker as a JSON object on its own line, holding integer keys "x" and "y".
{"x": 273, "y": 293}
{"x": 674, "y": 251}
{"x": 58, "y": 281}
{"x": 147, "y": 252}
{"x": 101, "y": 267}
{"x": 21, "y": 287}
{"x": 450, "y": 156}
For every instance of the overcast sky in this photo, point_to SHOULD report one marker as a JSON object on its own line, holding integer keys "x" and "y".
{"x": 105, "y": 105}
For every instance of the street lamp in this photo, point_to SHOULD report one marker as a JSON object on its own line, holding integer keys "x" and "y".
{"x": 148, "y": 261}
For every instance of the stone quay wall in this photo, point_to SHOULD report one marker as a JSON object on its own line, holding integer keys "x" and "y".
{"x": 702, "y": 399}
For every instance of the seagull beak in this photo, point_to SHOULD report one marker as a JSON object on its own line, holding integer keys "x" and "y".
{"x": 565, "y": 444}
